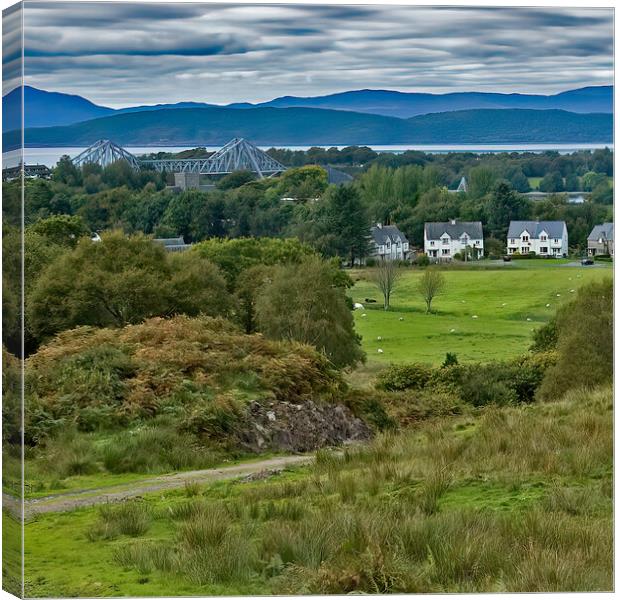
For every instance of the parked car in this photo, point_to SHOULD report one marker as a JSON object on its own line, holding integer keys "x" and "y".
{"x": 587, "y": 261}
{"x": 506, "y": 258}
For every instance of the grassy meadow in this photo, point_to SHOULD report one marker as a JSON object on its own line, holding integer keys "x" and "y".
{"x": 497, "y": 499}
{"x": 486, "y": 312}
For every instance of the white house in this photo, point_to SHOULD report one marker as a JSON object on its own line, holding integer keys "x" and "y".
{"x": 443, "y": 240}
{"x": 544, "y": 238}
{"x": 601, "y": 240}
{"x": 388, "y": 243}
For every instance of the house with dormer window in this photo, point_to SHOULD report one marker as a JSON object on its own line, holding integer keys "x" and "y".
{"x": 388, "y": 243}
{"x": 543, "y": 238}
{"x": 443, "y": 240}
{"x": 601, "y": 240}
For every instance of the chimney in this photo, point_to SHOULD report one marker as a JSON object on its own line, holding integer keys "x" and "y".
{"x": 380, "y": 225}
{"x": 453, "y": 221}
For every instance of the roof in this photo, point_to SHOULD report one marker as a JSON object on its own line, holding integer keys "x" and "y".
{"x": 178, "y": 241}
{"x": 455, "y": 229}
{"x": 604, "y": 231}
{"x": 554, "y": 229}
{"x": 387, "y": 232}
{"x": 336, "y": 176}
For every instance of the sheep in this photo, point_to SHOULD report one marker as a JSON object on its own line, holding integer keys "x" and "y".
{"x": 528, "y": 319}
{"x": 364, "y": 314}
{"x": 358, "y": 306}
{"x": 379, "y": 351}
{"x": 547, "y": 305}
{"x": 474, "y": 316}
{"x": 379, "y": 338}
{"x": 452, "y": 330}
{"x": 401, "y": 318}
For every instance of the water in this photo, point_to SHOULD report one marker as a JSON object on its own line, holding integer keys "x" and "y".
{"x": 50, "y": 156}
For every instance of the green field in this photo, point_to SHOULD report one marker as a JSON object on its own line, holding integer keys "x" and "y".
{"x": 501, "y": 499}
{"x": 509, "y": 301}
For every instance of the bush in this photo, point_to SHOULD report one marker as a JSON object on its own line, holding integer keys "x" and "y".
{"x": 421, "y": 260}
{"x": 189, "y": 370}
{"x": 404, "y": 377}
{"x": 584, "y": 342}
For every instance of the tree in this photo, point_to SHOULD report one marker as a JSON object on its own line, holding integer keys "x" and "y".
{"x": 345, "y": 219}
{"x": 431, "y": 284}
{"x": 584, "y": 334}
{"x": 121, "y": 280}
{"x": 552, "y": 182}
{"x": 248, "y": 286}
{"x": 385, "y": 277}
{"x": 504, "y": 206}
{"x": 63, "y": 230}
{"x": 235, "y": 180}
{"x": 303, "y": 303}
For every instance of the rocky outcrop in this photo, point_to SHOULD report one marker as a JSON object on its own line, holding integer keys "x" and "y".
{"x": 299, "y": 427}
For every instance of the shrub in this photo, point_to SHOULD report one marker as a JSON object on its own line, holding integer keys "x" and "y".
{"x": 421, "y": 260}
{"x": 130, "y": 518}
{"x": 404, "y": 377}
{"x": 188, "y": 369}
{"x": 584, "y": 342}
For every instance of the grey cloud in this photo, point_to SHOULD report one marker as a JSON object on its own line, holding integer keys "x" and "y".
{"x": 124, "y": 53}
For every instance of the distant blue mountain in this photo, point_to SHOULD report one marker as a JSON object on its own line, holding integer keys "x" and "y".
{"x": 45, "y": 109}
{"x": 404, "y": 105}
{"x": 319, "y": 126}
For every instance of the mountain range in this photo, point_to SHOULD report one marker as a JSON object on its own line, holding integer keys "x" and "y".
{"x": 46, "y": 109}
{"x": 314, "y": 126}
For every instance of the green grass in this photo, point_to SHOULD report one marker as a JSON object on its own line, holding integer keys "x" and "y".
{"x": 501, "y": 499}
{"x": 534, "y": 182}
{"x": 503, "y": 299}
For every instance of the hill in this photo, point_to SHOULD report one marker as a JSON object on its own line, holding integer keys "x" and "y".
{"x": 400, "y": 104}
{"x": 301, "y": 126}
{"x": 45, "y": 109}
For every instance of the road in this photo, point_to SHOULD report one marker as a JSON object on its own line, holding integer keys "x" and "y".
{"x": 82, "y": 498}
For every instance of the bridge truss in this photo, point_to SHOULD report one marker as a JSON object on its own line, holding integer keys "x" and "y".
{"x": 236, "y": 155}
{"x": 104, "y": 153}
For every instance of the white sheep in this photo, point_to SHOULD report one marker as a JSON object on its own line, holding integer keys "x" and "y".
{"x": 358, "y": 306}
{"x": 363, "y": 315}
{"x": 401, "y": 318}
{"x": 452, "y": 330}
{"x": 380, "y": 351}
{"x": 528, "y": 319}
{"x": 379, "y": 338}
{"x": 547, "y": 305}
{"x": 474, "y": 316}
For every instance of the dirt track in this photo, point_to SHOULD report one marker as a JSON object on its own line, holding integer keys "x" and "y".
{"x": 81, "y": 498}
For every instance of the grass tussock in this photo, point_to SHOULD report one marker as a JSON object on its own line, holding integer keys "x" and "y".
{"x": 515, "y": 499}
{"x": 130, "y": 518}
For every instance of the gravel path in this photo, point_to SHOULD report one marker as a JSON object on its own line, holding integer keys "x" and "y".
{"x": 81, "y": 498}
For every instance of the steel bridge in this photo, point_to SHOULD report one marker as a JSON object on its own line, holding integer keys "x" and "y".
{"x": 236, "y": 155}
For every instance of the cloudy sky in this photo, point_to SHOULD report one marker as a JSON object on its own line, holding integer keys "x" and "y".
{"x": 119, "y": 54}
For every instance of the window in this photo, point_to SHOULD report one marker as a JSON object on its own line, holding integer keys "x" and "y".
{"x": 445, "y": 251}
{"x": 445, "y": 241}
{"x": 525, "y": 250}
{"x": 432, "y": 242}
{"x": 543, "y": 238}
{"x": 513, "y": 240}
{"x": 556, "y": 241}
{"x": 525, "y": 238}
{"x": 543, "y": 249}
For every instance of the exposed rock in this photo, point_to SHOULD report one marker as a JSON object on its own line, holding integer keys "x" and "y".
{"x": 302, "y": 427}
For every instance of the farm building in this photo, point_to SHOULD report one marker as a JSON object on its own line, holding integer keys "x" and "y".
{"x": 442, "y": 241}
{"x": 543, "y": 238}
